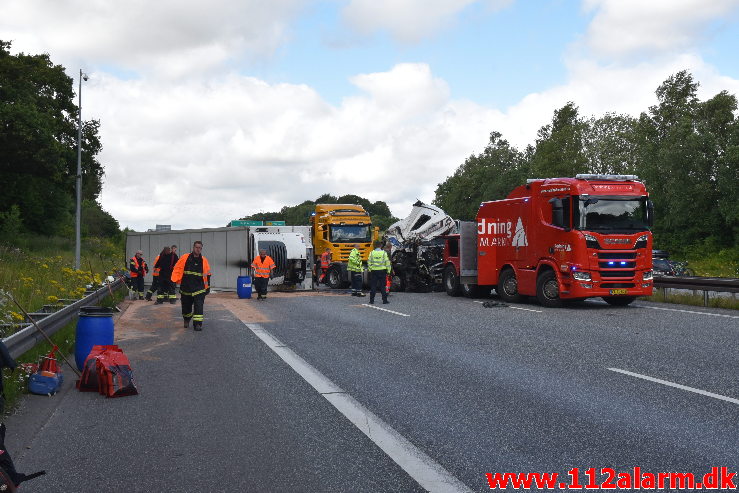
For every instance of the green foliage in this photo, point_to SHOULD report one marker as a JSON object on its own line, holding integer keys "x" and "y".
{"x": 490, "y": 175}
{"x": 299, "y": 215}
{"x": 96, "y": 222}
{"x": 10, "y": 222}
{"x": 38, "y": 142}
{"x": 685, "y": 150}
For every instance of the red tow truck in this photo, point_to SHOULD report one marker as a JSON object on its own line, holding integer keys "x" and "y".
{"x": 557, "y": 239}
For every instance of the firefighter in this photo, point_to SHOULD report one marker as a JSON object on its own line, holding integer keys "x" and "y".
{"x": 325, "y": 263}
{"x": 165, "y": 264}
{"x": 138, "y": 268}
{"x": 355, "y": 269}
{"x": 378, "y": 265}
{"x": 154, "y": 279}
{"x": 192, "y": 273}
{"x": 262, "y": 267}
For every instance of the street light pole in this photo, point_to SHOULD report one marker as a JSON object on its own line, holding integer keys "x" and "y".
{"x": 79, "y": 177}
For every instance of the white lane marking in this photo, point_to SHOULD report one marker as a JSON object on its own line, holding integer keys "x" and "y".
{"x": 514, "y": 307}
{"x": 689, "y": 311}
{"x": 422, "y": 468}
{"x": 677, "y": 385}
{"x": 385, "y": 310}
{"x": 527, "y": 309}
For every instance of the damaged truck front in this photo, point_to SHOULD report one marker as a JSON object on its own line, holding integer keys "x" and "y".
{"x": 417, "y": 252}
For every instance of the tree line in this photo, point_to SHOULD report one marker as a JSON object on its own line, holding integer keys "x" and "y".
{"x": 299, "y": 215}
{"x": 38, "y": 152}
{"x": 685, "y": 150}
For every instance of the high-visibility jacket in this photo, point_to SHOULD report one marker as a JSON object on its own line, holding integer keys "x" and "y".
{"x": 355, "y": 261}
{"x": 325, "y": 260}
{"x": 192, "y": 276}
{"x": 262, "y": 268}
{"x": 138, "y": 266}
{"x": 156, "y": 269}
{"x": 378, "y": 260}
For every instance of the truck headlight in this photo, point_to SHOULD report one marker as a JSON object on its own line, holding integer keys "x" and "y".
{"x": 648, "y": 275}
{"x": 581, "y": 276}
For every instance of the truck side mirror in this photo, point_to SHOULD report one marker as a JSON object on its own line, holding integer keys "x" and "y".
{"x": 557, "y": 212}
{"x": 650, "y": 213}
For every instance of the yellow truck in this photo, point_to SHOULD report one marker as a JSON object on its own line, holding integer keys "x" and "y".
{"x": 338, "y": 227}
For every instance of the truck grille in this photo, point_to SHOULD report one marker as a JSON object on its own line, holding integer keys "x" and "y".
{"x": 617, "y": 264}
{"x": 611, "y": 285}
{"x": 617, "y": 273}
{"x": 617, "y": 255}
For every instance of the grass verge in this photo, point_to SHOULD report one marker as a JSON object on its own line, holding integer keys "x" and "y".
{"x": 660, "y": 296}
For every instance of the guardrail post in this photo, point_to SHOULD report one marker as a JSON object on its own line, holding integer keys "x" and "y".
{"x": 705, "y": 298}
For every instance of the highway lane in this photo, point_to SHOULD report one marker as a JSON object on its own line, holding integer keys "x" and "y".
{"x": 501, "y": 389}
{"x": 529, "y": 389}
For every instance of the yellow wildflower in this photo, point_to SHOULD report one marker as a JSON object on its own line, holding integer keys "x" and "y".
{"x": 52, "y": 299}
{"x": 17, "y": 316}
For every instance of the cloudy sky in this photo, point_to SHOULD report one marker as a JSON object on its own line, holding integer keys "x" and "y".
{"x": 214, "y": 110}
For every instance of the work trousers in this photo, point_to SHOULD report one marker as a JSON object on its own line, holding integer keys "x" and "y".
{"x": 356, "y": 281}
{"x": 166, "y": 289}
{"x": 377, "y": 283}
{"x": 260, "y": 285}
{"x": 192, "y": 308}
{"x": 138, "y": 285}
{"x": 154, "y": 286}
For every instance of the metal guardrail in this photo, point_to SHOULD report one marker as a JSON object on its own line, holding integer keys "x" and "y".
{"x": 28, "y": 337}
{"x": 723, "y": 284}
{"x": 705, "y": 284}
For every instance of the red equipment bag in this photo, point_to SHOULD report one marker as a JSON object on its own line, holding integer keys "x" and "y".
{"x": 90, "y": 379}
{"x": 115, "y": 375}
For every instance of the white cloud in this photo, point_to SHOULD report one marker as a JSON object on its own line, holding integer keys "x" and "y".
{"x": 205, "y": 153}
{"x": 637, "y": 28}
{"x": 408, "y": 20}
{"x": 171, "y": 38}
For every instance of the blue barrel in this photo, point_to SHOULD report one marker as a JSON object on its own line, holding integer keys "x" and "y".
{"x": 243, "y": 287}
{"x": 94, "y": 327}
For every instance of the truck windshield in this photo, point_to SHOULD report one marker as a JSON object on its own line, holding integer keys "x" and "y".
{"x": 350, "y": 233}
{"x": 611, "y": 213}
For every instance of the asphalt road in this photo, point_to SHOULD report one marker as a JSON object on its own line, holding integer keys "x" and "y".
{"x": 322, "y": 393}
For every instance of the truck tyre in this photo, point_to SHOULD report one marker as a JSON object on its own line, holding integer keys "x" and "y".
{"x": 333, "y": 278}
{"x": 547, "y": 290}
{"x": 471, "y": 290}
{"x": 451, "y": 281}
{"x": 508, "y": 287}
{"x": 619, "y": 300}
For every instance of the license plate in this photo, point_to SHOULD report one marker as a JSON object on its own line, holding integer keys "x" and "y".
{"x": 618, "y": 291}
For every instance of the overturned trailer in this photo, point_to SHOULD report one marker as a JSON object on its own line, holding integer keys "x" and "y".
{"x": 230, "y": 252}
{"x": 417, "y": 251}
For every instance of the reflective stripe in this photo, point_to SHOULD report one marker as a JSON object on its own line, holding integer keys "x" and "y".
{"x": 192, "y": 294}
{"x": 197, "y": 318}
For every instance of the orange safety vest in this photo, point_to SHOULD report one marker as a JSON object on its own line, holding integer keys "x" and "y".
{"x": 156, "y": 269}
{"x": 179, "y": 271}
{"x": 135, "y": 266}
{"x": 262, "y": 268}
{"x": 324, "y": 260}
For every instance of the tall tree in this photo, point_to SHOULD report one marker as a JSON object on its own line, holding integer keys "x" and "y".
{"x": 38, "y": 140}
{"x": 559, "y": 149}
{"x": 490, "y": 175}
{"x": 689, "y": 161}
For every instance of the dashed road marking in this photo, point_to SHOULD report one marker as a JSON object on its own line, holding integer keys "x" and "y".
{"x": 422, "y": 468}
{"x": 385, "y": 310}
{"x": 688, "y": 311}
{"x": 676, "y": 385}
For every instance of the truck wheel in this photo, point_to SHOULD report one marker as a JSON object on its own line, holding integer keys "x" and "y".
{"x": 451, "y": 282}
{"x": 547, "y": 290}
{"x": 508, "y": 287}
{"x": 470, "y": 290}
{"x": 333, "y": 278}
{"x": 619, "y": 300}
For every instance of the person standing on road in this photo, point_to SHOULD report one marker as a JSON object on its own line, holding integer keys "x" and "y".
{"x": 154, "y": 277}
{"x": 355, "y": 270}
{"x": 262, "y": 267}
{"x": 165, "y": 263}
{"x": 389, "y": 280}
{"x": 325, "y": 263}
{"x": 378, "y": 265}
{"x": 192, "y": 273}
{"x": 138, "y": 268}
